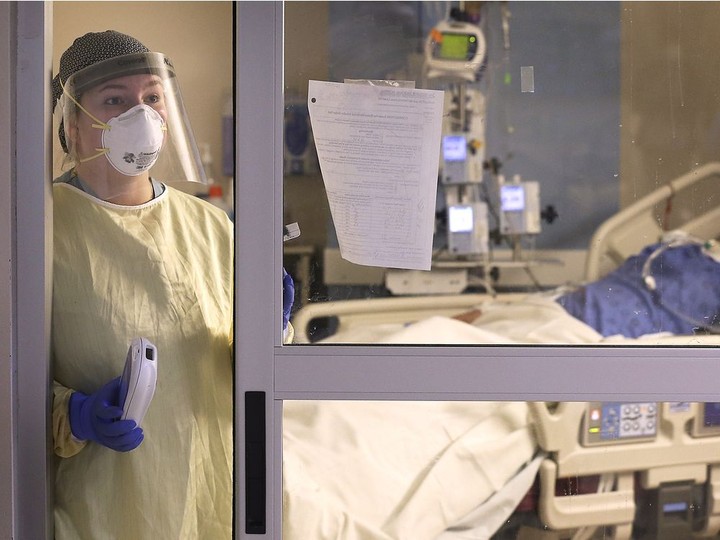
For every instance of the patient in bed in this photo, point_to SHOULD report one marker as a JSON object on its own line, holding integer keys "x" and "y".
{"x": 667, "y": 288}
{"x": 451, "y": 470}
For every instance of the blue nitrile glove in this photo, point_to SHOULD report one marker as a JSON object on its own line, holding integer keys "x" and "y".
{"x": 97, "y": 418}
{"x": 288, "y": 297}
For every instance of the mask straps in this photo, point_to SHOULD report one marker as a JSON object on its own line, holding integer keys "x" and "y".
{"x": 99, "y": 123}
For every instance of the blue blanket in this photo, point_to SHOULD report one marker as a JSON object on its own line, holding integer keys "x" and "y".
{"x": 686, "y": 298}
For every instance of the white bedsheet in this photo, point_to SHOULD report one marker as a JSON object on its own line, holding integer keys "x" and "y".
{"x": 389, "y": 470}
{"x": 535, "y": 319}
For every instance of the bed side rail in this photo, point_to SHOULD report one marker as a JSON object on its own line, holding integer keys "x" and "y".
{"x": 362, "y": 312}
{"x": 634, "y": 227}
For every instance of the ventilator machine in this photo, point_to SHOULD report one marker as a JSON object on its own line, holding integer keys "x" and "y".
{"x": 481, "y": 208}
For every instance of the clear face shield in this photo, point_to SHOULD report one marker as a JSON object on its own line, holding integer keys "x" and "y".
{"x": 128, "y": 111}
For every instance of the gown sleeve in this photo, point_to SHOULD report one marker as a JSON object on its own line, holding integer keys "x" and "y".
{"x": 64, "y": 443}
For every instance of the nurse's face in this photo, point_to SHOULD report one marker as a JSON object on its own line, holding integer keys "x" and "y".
{"x": 110, "y": 99}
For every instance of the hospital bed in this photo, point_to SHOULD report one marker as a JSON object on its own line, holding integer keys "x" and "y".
{"x": 619, "y": 237}
{"x": 658, "y": 477}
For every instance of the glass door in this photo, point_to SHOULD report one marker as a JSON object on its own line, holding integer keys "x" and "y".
{"x": 517, "y": 358}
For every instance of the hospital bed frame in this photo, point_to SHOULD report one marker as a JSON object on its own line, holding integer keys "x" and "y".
{"x": 352, "y": 314}
{"x": 674, "y": 457}
{"x": 636, "y": 226}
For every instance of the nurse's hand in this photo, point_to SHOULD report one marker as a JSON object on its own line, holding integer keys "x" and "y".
{"x": 288, "y": 297}
{"x": 97, "y": 418}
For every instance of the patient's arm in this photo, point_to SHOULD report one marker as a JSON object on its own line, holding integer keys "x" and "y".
{"x": 468, "y": 316}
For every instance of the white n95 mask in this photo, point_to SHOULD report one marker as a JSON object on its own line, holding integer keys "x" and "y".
{"x": 132, "y": 141}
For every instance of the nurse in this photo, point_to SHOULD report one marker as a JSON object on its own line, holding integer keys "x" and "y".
{"x": 135, "y": 257}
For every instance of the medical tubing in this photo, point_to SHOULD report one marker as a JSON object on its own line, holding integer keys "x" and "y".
{"x": 711, "y": 327}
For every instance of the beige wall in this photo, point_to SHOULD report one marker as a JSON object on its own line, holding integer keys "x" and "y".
{"x": 306, "y": 57}
{"x": 670, "y": 77}
{"x": 306, "y": 44}
{"x": 197, "y": 36}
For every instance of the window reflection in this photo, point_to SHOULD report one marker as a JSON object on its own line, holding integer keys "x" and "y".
{"x": 501, "y": 470}
{"x": 575, "y": 190}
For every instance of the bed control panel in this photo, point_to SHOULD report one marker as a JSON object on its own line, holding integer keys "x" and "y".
{"x": 616, "y": 423}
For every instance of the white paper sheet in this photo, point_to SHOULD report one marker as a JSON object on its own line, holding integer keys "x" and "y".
{"x": 378, "y": 149}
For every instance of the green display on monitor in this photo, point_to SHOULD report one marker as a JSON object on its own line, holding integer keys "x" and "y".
{"x": 456, "y": 46}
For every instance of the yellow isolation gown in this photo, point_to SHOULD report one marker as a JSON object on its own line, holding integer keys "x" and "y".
{"x": 162, "y": 270}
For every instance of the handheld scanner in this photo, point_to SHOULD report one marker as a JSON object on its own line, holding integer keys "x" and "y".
{"x": 139, "y": 378}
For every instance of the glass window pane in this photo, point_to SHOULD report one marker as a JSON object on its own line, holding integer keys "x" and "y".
{"x": 573, "y": 191}
{"x": 501, "y": 470}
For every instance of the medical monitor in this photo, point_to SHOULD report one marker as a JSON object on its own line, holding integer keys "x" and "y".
{"x": 454, "y": 148}
{"x": 520, "y": 208}
{"x": 455, "y": 50}
{"x": 512, "y": 198}
{"x": 460, "y": 218}
{"x": 468, "y": 232}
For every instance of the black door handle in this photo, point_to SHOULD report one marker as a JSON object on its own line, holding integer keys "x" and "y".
{"x": 255, "y": 466}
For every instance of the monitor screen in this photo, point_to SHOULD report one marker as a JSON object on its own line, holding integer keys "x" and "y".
{"x": 455, "y": 46}
{"x": 711, "y": 414}
{"x": 512, "y": 198}
{"x": 460, "y": 218}
{"x": 454, "y": 148}
{"x": 707, "y": 420}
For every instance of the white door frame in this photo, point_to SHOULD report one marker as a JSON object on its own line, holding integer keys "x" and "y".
{"x": 26, "y": 270}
